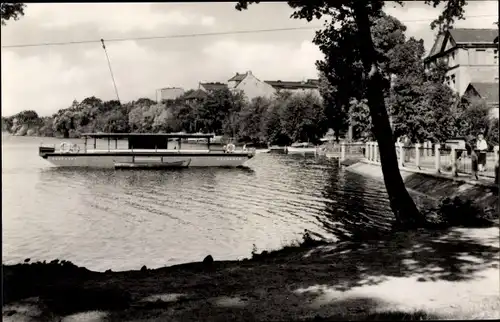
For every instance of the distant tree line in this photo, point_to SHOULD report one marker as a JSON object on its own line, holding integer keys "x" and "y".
{"x": 283, "y": 119}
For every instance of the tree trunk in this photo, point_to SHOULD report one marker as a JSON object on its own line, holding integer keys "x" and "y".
{"x": 403, "y": 206}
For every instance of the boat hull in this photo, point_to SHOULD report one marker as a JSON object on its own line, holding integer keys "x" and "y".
{"x": 146, "y": 160}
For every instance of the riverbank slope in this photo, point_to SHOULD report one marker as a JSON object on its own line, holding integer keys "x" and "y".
{"x": 436, "y": 187}
{"x": 412, "y": 275}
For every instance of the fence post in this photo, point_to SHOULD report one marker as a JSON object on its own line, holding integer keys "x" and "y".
{"x": 497, "y": 169}
{"x": 376, "y": 152}
{"x": 437, "y": 158}
{"x": 367, "y": 150}
{"x": 342, "y": 151}
{"x": 453, "y": 158}
{"x": 401, "y": 155}
{"x": 417, "y": 155}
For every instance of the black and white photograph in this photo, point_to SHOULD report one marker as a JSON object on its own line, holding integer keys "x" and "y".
{"x": 329, "y": 160}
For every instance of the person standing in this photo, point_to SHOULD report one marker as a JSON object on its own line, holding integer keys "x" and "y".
{"x": 482, "y": 148}
{"x": 407, "y": 146}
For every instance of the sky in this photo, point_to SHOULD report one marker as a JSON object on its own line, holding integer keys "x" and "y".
{"x": 46, "y": 79}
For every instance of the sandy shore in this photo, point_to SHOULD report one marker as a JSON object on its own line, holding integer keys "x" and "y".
{"x": 416, "y": 275}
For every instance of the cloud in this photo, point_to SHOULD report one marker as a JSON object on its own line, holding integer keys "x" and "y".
{"x": 112, "y": 17}
{"x": 49, "y": 78}
{"x": 417, "y": 17}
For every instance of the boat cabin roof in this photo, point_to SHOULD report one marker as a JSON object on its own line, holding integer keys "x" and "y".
{"x": 146, "y": 135}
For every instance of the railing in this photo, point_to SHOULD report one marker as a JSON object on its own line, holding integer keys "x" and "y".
{"x": 453, "y": 161}
{"x": 345, "y": 150}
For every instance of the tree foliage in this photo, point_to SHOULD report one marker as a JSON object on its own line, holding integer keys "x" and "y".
{"x": 356, "y": 32}
{"x": 282, "y": 120}
{"x": 11, "y": 10}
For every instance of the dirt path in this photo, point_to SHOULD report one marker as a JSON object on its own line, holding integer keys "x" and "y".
{"x": 419, "y": 275}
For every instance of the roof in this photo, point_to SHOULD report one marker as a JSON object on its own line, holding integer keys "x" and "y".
{"x": 237, "y": 77}
{"x": 291, "y": 85}
{"x": 128, "y": 135}
{"x": 213, "y": 86}
{"x": 465, "y": 36}
{"x": 196, "y": 94}
{"x": 487, "y": 91}
{"x": 164, "y": 88}
{"x": 313, "y": 81}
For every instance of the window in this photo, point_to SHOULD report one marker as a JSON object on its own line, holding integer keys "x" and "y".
{"x": 480, "y": 57}
{"x": 447, "y": 80}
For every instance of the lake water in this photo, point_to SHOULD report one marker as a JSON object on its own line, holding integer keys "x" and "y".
{"x": 125, "y": 219}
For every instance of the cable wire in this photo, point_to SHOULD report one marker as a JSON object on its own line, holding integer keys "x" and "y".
{"x": 195, "y": 35}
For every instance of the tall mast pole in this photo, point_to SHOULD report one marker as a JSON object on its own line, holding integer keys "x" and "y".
{"x": 110, "y": 70}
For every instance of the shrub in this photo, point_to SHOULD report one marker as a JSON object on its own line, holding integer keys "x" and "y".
{"x": 457, "y": 212}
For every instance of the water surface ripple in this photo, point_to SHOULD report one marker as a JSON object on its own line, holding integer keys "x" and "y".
{"x": 125, "y": 219}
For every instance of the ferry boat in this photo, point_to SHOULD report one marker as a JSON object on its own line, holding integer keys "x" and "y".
{"x": 145, "y": 150}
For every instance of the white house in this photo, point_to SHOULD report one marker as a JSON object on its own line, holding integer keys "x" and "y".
{"x": 250, "y": 86}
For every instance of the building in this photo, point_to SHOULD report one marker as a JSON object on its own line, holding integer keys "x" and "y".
{"x": 195, "y": 96}
{"x": 253, "y": 87}
{"x": 250, "y": 86}
{"x": 304, "y": 87}
{"x": 471, "y": 56}
{"x": 486, "y": 91}
{"x": 169, "y": 93}
{"x": 210, "y": 87}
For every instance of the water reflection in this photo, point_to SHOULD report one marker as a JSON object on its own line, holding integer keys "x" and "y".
{"x": 358, "y": 206}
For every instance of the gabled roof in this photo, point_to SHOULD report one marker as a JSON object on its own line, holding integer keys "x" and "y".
{"x": 291, "y": 85}
{"x": 237, "y": 78}
{"x": 487, "y": 91}
{"x": 463, "y": 36}
{"x": 213, "y": 86}
{"x": 476, "y": 36}
{"x": 197, "y": 94}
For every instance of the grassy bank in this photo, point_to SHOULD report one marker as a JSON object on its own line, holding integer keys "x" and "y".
{"x": 311, "y": 281}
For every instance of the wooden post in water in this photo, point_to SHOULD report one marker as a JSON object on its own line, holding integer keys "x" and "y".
{"x": 417, "y": 155}
{"x": 116, "y": 143}
{"x": 342, "y": 151}
{"x": 95, "y": 143}
{"x": 437, "y": 157}
{"x": 85, "y": 145}
{"x": 109, "y": 139}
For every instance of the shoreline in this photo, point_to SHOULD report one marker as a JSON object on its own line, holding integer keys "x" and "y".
{"x": 365, "y": 279}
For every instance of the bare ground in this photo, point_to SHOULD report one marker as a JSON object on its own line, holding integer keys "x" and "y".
{"x": 413, "y": 275}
